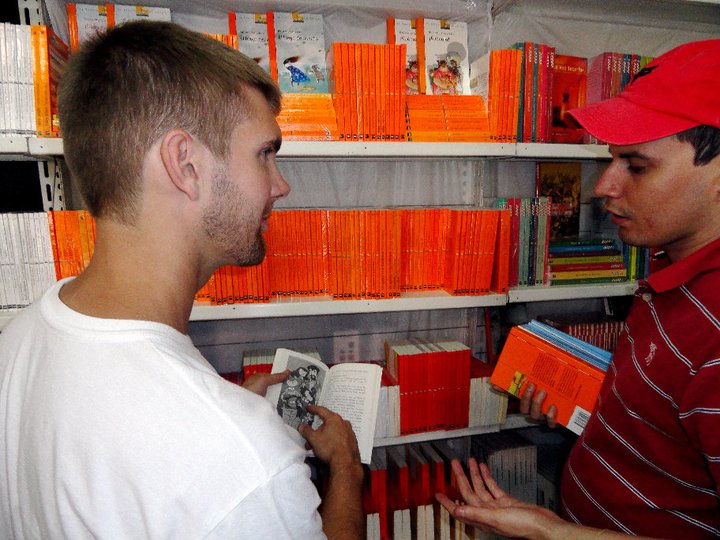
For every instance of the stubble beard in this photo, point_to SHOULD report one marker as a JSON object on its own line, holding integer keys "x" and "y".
{"x": 231, "y": 222}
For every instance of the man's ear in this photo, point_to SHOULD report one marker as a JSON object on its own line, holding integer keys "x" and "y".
{"x": 181, "y": 155}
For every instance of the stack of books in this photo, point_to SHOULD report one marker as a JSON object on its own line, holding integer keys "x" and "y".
{"x": 583, "y": 261}
{"x": 447, "y": 118}
{"x": 308, "y": 117}
{"x": 594, "y": 328}
{"x": 608, "y": 74}
{"x": 535, "y": 107}
{"x": 32, "y": 60}
{"x": 496, "y": 78}
{"x": 529, "y": 239}
{"x": 368, "y": 89}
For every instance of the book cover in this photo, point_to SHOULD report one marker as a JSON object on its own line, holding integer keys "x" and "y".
{"x": 404, "y": 31}
{"x": 85, "y": 21}
{"x": 299, "y": 48}
{"x": 251, "y": 30}
{"x": 446, "y": 68}
{"x": 561, "y": 181}
{"x": 569, "y": 88}
{"x": 352, "y": 390}
{"x": 118, "y": 14}
{"x": 535, "y": 353}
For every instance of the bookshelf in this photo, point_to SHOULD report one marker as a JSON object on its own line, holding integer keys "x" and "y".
{"x": 42, "y": 148}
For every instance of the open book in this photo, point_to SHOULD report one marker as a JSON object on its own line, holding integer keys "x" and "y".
{"x": 351, "y": 390}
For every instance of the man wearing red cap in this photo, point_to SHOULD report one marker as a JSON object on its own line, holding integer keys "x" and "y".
{"x": 648, "y": 462}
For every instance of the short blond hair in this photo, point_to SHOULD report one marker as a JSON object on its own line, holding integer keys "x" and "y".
{"x": 123, "y": 90}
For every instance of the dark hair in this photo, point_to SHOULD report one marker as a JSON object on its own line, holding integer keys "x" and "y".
{"x": 705, "y": 140}
{"x": 125, "y": 89}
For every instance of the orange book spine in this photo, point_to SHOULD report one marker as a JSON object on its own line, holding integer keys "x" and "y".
{"x": 272, "y": 48}
{"x": 54, "y": 243}
{"x": 110, "y": 14}
{"x": 420, "y": 40}
{"x": 73, "y": 26}
{"x": 41, "y": 80}
{"x": 232, "y": 25}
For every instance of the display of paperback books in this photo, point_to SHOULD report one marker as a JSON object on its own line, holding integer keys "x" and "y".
{"x": 608, "y": 73}
{"x": 587, "y": 260}
{"x": 349, "y": 389}
{"x": 568, "y": 369}
{"x": 442, "y": 48}
{"x": 297, "y": 52}
{"x": 535, "y": 110}
{"x": 251, "y": 30}
{"x": 33, "y": 58}
{"x": 496, "y": 78}
{"x": 447, "y": 118}
{"x": 527, "y": 254}
{"x": 367, "y": 84}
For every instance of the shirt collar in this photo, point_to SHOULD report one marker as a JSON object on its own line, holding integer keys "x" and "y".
{"x": 677, "y": 274}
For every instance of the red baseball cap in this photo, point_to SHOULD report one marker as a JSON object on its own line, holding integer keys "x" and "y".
{"x": 676, "y": 91}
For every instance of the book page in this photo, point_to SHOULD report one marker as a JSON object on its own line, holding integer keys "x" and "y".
{"x": 352, "y": 390}
{"x": 300, "y": 389}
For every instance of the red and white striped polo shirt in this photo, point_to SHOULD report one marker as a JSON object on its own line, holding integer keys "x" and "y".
{"x": 648, "y": 462}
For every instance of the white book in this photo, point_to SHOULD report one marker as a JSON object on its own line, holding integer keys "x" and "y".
{"x": 447, "y": 67}
{"x": 125, "y": 13}
{"x": 351, "y": 390}
{"x": 252, "y": 34}
{"x": 300, "y": 52}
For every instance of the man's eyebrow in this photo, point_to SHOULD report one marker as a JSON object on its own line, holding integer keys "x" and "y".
{"x": 633, "y": 154}
{"x": 276, "y": 143}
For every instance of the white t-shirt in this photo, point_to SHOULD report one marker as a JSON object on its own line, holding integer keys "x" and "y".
{"x": 120, "y": 429}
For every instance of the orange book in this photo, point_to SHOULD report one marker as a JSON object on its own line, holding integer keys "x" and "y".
{"x": 572, "y": 384}
{"x": 272, "y": 48}
{"x": 420, "y": 41}
{"x": 41, "y": 80}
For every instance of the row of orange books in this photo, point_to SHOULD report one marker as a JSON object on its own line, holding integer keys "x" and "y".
{"x": 308, "y": 117}
{"x": 367, "y": 83}
{"x": 447, "y": 118}
{"x": 346, "y": 254}
{"x": 372, "y": 254}
{"x": 496, "y": 78}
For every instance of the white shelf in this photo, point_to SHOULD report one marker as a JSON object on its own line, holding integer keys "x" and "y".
{"x": 308, "y": 305}
{"x": 13, "y": 145}
{"x": 50, "y": 147}
{"x": 570, "y": 292}
{"x": 562, "y": 151}
{"x": 312, "y": 305}
{"x": 44, "y": 146}
{"x": 513, "y": 421}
